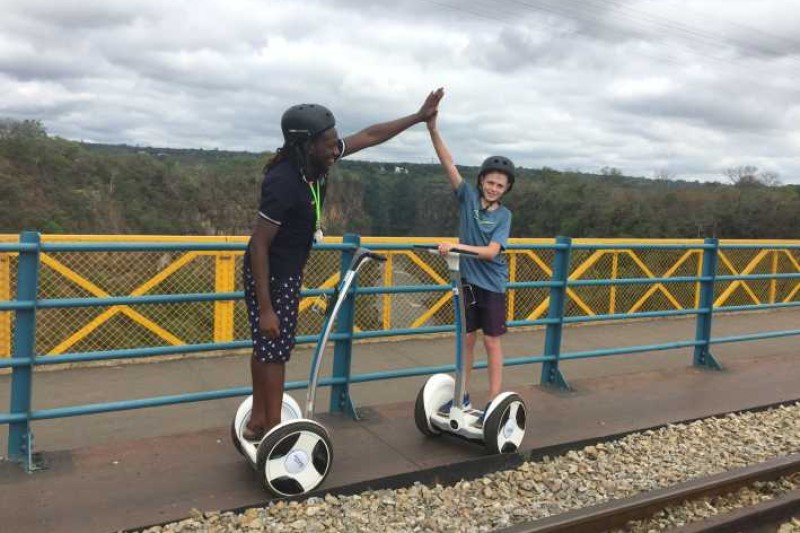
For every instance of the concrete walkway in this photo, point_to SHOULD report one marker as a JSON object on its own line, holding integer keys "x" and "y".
{"x": 115, "y": 471}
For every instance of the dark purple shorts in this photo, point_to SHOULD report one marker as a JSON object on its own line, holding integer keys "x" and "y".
{"x": 285, "y": 294}
{"x": 485, "y": 310}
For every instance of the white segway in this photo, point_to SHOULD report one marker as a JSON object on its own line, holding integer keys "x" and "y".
{"x": 502, "y": 427}
{"x": 295, "y": 456}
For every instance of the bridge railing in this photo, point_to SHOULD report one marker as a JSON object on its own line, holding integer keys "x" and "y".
{"x": 699, "y": 279}
{"x": 164, "y": 270}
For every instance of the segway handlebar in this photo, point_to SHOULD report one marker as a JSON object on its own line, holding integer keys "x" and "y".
{"x": 363, "y": 254}
{"x": 434, "y": 249}
{"x": 376, "y": 257}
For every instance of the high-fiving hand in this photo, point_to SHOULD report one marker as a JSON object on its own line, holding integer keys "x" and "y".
{"x": 430, "y": 107}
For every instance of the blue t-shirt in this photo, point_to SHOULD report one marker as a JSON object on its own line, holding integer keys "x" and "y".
{"x": 479, "y": 227}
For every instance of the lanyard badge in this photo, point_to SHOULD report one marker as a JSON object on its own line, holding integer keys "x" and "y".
{"x": 315, "y": 193}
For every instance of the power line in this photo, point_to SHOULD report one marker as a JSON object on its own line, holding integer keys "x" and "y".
{"x": 587, "y": 11}
{"x": 703, "y": 15}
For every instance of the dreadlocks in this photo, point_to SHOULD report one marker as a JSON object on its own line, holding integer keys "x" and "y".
{"x": 296, "y": 152}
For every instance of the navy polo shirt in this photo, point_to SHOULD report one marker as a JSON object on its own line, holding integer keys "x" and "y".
{"x": 287, "y": 202}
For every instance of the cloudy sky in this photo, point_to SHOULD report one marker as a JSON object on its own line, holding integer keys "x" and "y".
{"x": 671, "y": 87}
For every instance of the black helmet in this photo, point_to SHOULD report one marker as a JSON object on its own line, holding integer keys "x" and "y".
{"x": 500, "y": 164}
{"x": 305, "y": 121}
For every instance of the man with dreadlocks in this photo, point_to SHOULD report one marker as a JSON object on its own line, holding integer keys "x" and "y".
{"x": 484, "y": 228}
{"x": 289, "y": 221}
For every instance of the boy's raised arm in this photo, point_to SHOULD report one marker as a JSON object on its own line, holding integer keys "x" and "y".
{"x": 444, "y": 154}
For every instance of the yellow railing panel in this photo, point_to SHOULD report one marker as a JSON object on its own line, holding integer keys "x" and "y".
{"x": 576, "y": 274}
{"x": 208, "y": 271}
{"x": 388, "y": 281}
{"x": 438, "y": 280}
{"x": 224, "y": 281}
{"x": 657, "y": 286}
{"x": 167, "y": 272}
{"x": 73, "y": 276}
{"x": 512, "y": 277}
{"x": 612, "y": 298}
{"x": 319, "y": 301}
{"x": 137, "y": 317}
{"x": 739, "y": 283}
{"x": 5, "y": 294}
{"x": 796, "y": 288}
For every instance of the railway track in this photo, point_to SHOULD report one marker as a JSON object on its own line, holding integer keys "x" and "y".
{"x": 555, "y": 480}
{"x": 616, "y": 514}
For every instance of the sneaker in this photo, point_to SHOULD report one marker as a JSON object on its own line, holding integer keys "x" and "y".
{"x": 479, "y": 421}
{"x": 449, "y": 405}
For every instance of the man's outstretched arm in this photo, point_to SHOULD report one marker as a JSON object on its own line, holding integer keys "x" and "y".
{"x": 382, "y": 132}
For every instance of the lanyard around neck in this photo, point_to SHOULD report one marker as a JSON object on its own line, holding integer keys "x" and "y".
{"x": 315, "y": 193}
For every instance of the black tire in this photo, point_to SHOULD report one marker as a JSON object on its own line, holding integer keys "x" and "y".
{"x": 280, "y": 442}
{"x": 497, "y": 420}
{"x": 421, "y": 417}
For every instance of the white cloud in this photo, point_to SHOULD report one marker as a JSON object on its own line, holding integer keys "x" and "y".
{"x": 642, "y": 85}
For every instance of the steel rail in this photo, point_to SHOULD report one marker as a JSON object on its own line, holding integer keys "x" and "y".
{"x": 616, "y": 513}
{"x": 764, "y": 516}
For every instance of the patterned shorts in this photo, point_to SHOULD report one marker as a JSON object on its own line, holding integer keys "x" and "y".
{"x": 285, "y": 294}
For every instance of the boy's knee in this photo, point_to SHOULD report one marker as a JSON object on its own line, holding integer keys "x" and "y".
{"x": 491, "y": 341}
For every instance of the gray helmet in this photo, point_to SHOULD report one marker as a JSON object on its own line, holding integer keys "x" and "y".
{"x": 500, "y": 164}
{"x": 305, "y": 121}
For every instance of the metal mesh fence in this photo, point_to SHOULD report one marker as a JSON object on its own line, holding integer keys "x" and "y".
{"x": 8, "y": 284}
{"x": 529, "y": 265}
{"x": 101, "y": 274}
{"x": 662, "y": 263}
{"x": 754, "y": 292}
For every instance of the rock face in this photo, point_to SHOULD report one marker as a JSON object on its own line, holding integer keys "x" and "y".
{"x": 637, "y": 463}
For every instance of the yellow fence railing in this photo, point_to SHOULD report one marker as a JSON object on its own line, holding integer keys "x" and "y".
{"x": 5, "y": 294}
{"x": 101, "y": 274}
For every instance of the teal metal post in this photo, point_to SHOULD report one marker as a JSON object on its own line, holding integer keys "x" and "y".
{"x": 20, "y": 437}
{"x": 702, "y": 352}
{"x": 551, "y": 374}
{"x": 343, "y": 349}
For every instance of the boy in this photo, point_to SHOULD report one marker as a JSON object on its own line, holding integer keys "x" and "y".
{"x": 484, "y": 227}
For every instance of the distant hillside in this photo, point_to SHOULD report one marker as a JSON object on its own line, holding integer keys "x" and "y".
{"x": 60, "y": 186}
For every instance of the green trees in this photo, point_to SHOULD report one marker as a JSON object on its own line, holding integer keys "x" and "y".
{"x": 60, "y": 186}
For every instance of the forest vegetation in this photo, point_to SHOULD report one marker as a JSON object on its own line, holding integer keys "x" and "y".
{"x": 55, "y": 185}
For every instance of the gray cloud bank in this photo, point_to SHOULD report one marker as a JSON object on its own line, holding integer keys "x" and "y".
{"x": 581, "y": 84}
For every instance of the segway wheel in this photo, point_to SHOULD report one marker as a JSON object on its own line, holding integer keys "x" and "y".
{"x": 422, "y": 417}
{"x": 438, "y": 389}
{"x": 294, "y": 458}
{"x": 504, "y": 428}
